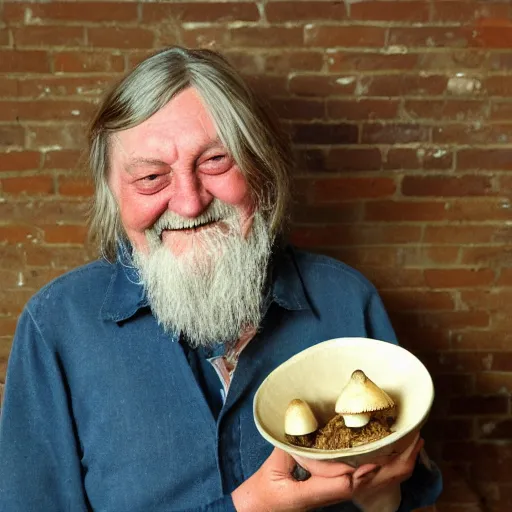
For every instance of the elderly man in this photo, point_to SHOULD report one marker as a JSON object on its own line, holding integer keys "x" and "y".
{"x": 131, "y": 379}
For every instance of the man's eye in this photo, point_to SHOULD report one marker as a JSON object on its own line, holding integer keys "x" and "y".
{"x": 151, "y": 177}
{"x": 217, "y": 158}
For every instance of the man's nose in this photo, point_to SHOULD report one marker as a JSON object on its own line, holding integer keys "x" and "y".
{"x": 188, "y": 196}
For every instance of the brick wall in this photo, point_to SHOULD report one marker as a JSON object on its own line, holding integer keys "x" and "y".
{"x": 401, "y": 115}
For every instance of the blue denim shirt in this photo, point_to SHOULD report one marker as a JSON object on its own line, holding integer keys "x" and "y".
{"x": 102, "y": 410}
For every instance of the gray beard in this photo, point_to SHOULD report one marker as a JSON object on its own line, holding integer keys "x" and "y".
{"x": 214, "y": 292}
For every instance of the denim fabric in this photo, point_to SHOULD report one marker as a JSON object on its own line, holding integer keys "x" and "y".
{"x": 102, "y": 410}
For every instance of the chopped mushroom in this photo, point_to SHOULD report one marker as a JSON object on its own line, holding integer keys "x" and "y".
{"x": 359, "y": 399}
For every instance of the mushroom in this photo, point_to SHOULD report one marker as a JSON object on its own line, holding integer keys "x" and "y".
{"x": 299, "y": 423}
{"x": 359, "y": 398}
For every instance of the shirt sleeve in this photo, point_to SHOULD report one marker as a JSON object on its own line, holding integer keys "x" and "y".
{"x": 425, "y": 485}
{"x": 40, "y": 467}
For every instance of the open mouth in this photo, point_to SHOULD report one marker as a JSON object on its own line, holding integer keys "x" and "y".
{"x": 189, "y": 230}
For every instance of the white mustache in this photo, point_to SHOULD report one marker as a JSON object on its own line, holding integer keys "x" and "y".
{"x": 217, "y": 211}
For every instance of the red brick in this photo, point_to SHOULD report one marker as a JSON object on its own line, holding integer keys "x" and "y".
{"x": 412, "y": 300}
{"x": 277, "y": 12}
{"x": 63, "y": 86}
{"x": 489, "y": 383}
{"x": 452, "y": 428}
{"x": 38, "y": 277}
{"x": 56, "y": 257}
{"x": 14, "y": 61}
{"x": 14, "y": 234}
{"x": 205, "y": 37}
{"x": 461, "y": 110}
{"x": 72, "y": 186}
{"x": 346, "y": 61}
{"x": 495, "y": 470}
{"x": 44, "y": 110}
{"x": 299, "y": 108}
{"x": 482, "y": 340}
{"x": 450, "y": 59}
{"x": 115, "y": 37}
{"x": 89, "y": 62}
{"x": 400, "y": 211}
{"x": 500, "y": 111}
{"x": 426, "y": 157}
{"x": 498, "y": 85}
{"x": 51, "y": 209}
{"x": 30, "y": 185}
{"x": 284, "y": 62}
{"x": 403, "y": 85}
{"x": 464, "y": 11}
{"x": 454, "y": 384}
{"x": 20, "y": 160}
{"x": 399, "y": 133}
{"x": 200, "y": 12}
{"x": 471, "y": 134}
{"x": 490, "y": 256}
{"x": 354, "y": 234}
{"x": 359, "y": 257}
{"x": 505, "y": 278}
{"x": 356, "y": 158}
{"x": 442, "y": 254}
{"x": 431, "y": 37}
{"x": 479, "y": 405}
{"x": 464, "y": 234}
{"x": 320, "y": 133}
{"x": 458, "y": 277}
{"x": 63, "y": 159}
{"x": 487, "y": 159}
{"x": 479, "y": 209}
{"x": 11, "y": 136}
{"x": 64, "y": 234}
{"x": 328, "y": 214}
{"x": 493, "y": 37}
{"x": 341, "y": 189}
{"x": 402, "y": 158}
{"x": 7, "y": 326}
{"x": 266, "y": 37}
{"x": 69, "y": 135}
{"x": 321, "y": 85}
{"x": 486, "y": 299}
{"x": 445, "y": 186}
{"x": 8, "y": 87}
{"x": 76, "y": 11}
{"x": 48, "y": 36}
{"x": 346, "y": 36}
{"x": 267, "y": 86}
{"x": 366, "y": 109}
{"x": 390, "y": 11}
{"x": 390, "y": 278}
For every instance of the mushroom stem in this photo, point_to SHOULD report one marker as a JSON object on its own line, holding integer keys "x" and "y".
{"x": 356, "y": 420}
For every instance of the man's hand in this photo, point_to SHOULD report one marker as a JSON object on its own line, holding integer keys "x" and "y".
{"x": 273, "y": 489}
{"x": 375, "y": 493}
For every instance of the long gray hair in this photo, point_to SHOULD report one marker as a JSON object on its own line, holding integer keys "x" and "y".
{"x": 249, "y": 133}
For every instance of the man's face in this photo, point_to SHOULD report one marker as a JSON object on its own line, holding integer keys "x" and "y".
{"x": 174, "y": 161}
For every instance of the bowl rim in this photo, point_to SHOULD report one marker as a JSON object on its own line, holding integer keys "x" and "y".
{"x": 316, "y": 453}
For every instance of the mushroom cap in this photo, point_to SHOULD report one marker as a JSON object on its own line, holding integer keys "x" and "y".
{"x": 299, "y": 419}
{"x": 362, "y": 395}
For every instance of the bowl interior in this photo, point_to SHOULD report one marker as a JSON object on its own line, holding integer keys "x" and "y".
{"x": 317, "y": 376}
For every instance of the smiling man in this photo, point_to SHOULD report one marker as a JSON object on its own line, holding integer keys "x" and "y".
{"x": 131, "y": 379}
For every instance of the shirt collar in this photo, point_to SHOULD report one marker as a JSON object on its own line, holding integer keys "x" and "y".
{"x": 125, "y": 295}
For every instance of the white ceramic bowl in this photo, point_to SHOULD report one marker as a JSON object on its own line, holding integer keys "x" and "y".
{"x": 317, "y": 376}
